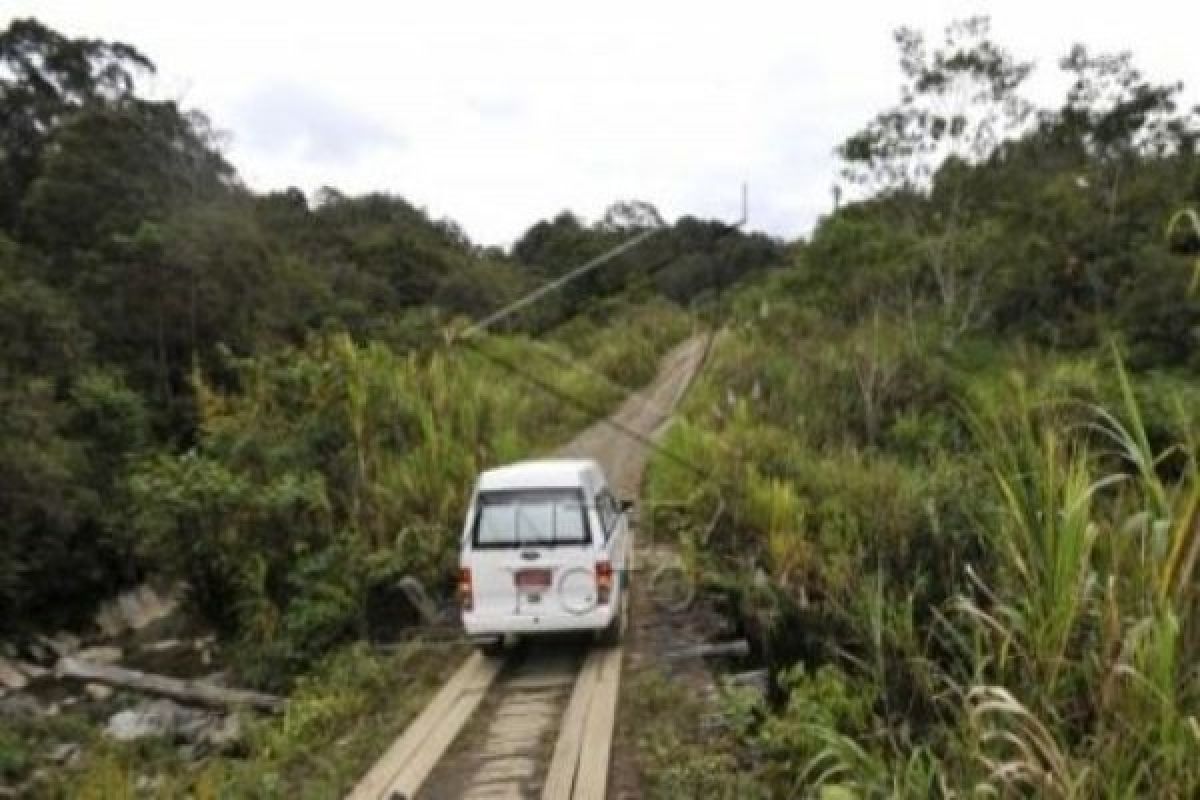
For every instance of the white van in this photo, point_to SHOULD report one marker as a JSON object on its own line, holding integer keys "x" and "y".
{"x": 544, "y": 549}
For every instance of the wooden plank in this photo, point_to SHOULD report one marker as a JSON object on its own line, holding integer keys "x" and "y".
{"x": 424, "y": 759}
{"x": 475, "y": 675}
{"x": 588, "y": 722}
{"x": 591, "y": 782}
{"x": 564, "y": 762}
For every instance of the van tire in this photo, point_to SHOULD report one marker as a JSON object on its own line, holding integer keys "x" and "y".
{"x": 612, "y": 635}
{"x": 494, "y": 648}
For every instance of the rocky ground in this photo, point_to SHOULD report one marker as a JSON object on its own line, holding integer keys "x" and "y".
{"x": 142, "y": 629}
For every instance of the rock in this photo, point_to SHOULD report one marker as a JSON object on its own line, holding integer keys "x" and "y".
{"x": 38, "y": 653}
{"x": 158, "y": 718}
{"x": 204, "y": 642}
{"x": 202, "y": 730}
{"x": 135, "y": 609}
{"x": 63, "y": 753}
{"x": 224, "y": 733}
{"x": 32, "y": 671}
{"x": 98, "y": 692}
{"x": 62, "y": 644}
{"x": 162, "y": 646}
{"x": 155, "y": 718}
{"x": 11, "y": 677}
{"x": 103, "y": 654}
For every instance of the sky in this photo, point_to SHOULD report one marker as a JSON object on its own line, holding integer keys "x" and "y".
{"x": 498, "y": 114}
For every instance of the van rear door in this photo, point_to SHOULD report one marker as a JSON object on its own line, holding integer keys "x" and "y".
{"x": 531, "y": 552}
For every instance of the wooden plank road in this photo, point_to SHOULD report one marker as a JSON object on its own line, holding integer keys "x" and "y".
{"x": 552, "y": 691}
{"x": 587, "y": 728}
{"x": 406, "y": 764}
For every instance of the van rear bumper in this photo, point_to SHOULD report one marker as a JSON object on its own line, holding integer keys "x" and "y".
{"x": 478, "y": 624}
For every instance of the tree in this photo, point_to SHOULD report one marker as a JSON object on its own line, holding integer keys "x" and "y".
{"x": 630, "y": 215}
{"x": 109, "y": 169}
{"x": 957, "y": 102}
{"x": 45, "y": 78}
{"x": 66, "y": 427}
{"x": 1116, "y": 115}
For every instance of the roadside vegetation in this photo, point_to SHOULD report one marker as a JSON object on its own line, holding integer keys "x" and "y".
{"x": 267, "y": 398}
{"x": 950, "y": 443}
{"x": 952, "y": 451}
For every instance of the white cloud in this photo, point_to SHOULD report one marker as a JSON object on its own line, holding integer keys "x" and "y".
{"x": 498, "y": 114}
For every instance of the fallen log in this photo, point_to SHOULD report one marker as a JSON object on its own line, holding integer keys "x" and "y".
{"x": 738, "y": 647}
{"x": 190, "y": 692}
{"x": 755, "y": 678}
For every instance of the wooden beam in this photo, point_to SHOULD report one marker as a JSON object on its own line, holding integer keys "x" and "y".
{"x": 560, "y": 778}
{"x": 591, "y": 779}
{"x": 407, "y": 762}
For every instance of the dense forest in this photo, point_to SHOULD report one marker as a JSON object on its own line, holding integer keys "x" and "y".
{"x": 941, "y": 465}
{"x": 155, "y": 313}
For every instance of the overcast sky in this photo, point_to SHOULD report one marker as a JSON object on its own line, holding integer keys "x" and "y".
{"x": 498, "y": 114}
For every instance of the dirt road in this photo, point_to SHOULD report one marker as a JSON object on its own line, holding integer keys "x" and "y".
{"x": 540, "y": 723}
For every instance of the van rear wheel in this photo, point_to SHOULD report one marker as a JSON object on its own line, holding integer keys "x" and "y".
{"x": 493, "y": 648}
{"x": 612, "y": 635}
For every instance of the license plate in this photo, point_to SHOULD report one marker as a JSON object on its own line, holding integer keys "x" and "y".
{"x": 532, "y": 579}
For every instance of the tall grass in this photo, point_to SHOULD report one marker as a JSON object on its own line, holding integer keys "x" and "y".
{"x": 1088, "y": 690}
{"x": 1014, "y": 601}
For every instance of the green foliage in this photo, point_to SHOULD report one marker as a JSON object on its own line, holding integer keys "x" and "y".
{"x": 14, "y": 755}
{"x": 934, "y": 491}
{"x": 1008, "y": 605}
{"x": 46, "y": 78}
{"x": 678, "y": 756}
{"x": 336, "y": 469}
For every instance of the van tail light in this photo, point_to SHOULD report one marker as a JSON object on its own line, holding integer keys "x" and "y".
{"x": 604, "y": 581}
{"x": 466, "y": 593}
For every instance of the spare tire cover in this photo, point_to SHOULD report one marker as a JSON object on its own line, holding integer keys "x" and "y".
{"x": 577, "y": 590}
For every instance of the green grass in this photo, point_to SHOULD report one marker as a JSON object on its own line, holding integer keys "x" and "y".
{"x": 978, "y": 569}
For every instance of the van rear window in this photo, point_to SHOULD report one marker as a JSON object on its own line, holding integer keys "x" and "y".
{"x": 530, "y": 517}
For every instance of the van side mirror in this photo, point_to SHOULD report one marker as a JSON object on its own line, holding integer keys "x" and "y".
{"x": 626, "y": 506}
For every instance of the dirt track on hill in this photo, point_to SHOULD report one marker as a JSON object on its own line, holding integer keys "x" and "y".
{"x": 617, "y": 442}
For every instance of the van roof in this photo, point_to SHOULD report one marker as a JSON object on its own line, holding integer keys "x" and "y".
{"x": 549, "y": 473}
